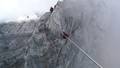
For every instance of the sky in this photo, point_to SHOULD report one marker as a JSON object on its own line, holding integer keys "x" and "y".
{"x": 12, "y": 9}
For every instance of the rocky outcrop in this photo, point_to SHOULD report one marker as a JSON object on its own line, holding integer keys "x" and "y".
{"x": 35, "y": 43}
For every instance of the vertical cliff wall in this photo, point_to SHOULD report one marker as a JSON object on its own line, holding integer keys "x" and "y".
{"x": 99, "y": 33}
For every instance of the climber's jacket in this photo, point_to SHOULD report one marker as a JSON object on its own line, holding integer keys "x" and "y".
{"x": 65, "y": 35}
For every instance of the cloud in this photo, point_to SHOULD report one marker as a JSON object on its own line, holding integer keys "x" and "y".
{"x": 11, "y": 9}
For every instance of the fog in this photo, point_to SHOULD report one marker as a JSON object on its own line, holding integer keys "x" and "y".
{"x": 12, "y": 9}
{"x": 100, "y": 29}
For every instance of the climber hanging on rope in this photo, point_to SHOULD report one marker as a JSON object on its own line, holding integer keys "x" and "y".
{"x": 65, "y": 35}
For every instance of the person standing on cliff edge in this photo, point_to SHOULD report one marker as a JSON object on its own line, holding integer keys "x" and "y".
{"x": 51, "y": 9}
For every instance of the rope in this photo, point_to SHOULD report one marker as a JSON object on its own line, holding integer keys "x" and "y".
{"x": 85, "y": 53}
{"x": 100, "y": 66}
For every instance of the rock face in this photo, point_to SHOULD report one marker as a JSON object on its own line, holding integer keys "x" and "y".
{"x": 40, "y": 43}
{"x": 99, "y": 32}
{"x": 36, "y": 43}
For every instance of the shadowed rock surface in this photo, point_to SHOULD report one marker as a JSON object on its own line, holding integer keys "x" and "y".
{"x": 39, "y": 43}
